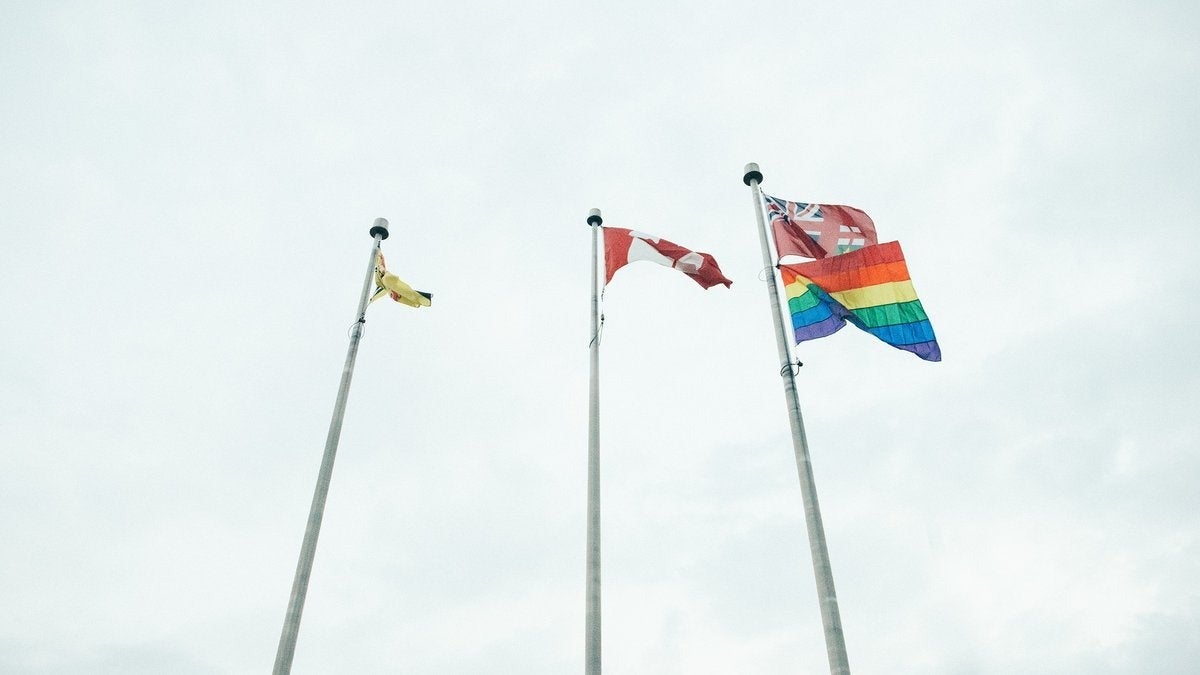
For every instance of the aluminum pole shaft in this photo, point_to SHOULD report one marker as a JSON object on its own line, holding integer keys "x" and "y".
{"x": 592, "y": 623}
{"x": 835, "y": 642}
{"x": 291, "y": 622}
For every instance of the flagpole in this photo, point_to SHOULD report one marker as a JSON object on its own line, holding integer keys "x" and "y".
{"x": 592, "y": 624}
{"x": 291, "y": 623}
{"x": 835, "y": 642}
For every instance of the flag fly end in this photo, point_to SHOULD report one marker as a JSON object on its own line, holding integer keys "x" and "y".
{"x": 380, "y": 228}
{"x": 751, "y": 174}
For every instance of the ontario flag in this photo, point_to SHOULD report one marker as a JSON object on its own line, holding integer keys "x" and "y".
{"x": 622, "y": 247}
{"x": 818, "y": 230}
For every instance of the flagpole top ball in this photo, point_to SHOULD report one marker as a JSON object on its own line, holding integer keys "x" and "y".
{"x": 752, "y": 173}
{"x": 380, "y": 228}
{"x": 594, "y": 217}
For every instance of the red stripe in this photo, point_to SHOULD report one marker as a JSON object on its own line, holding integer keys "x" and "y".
{"x": 616, "y": 250}
{"x": 863, "y": 276}
{"x": 854, "y": 269}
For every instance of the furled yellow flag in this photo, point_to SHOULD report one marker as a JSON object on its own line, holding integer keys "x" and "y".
{"x": 387, "y": 283}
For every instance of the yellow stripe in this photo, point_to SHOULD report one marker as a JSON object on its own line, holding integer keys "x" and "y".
{"x": 797, "y": 288}
{"x": 879, "y": 294}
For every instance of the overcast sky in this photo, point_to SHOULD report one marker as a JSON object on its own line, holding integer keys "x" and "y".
{"x": 185, "y": 194}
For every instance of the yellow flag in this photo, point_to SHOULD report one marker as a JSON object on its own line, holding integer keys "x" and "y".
{"x": 387, "y": 283}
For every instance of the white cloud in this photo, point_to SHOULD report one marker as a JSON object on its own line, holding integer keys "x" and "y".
{"x": 184, "y": 198}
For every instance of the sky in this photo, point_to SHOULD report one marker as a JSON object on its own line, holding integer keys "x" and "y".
{"x": 185, "y": 195}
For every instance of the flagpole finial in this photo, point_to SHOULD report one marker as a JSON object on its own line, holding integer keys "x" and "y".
{"x": 380, "y": 228}
{"x": 751, "y": 173}
{"x": 594, "y": 217}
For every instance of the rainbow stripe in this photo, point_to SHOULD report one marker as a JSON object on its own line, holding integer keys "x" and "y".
{"x": 870, "y": 288}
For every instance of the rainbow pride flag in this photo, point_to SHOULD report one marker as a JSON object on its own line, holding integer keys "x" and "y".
{"x": 870, "y": 288}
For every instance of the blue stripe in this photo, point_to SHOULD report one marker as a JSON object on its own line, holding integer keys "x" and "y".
{"x": 904, "y": 333}
{"x": 815, "y": 314}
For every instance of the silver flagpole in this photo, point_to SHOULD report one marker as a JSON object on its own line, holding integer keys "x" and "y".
{"x": 835, "y": 641}
{"x": 591, "y": 657}
{"x": 291, "y": 622}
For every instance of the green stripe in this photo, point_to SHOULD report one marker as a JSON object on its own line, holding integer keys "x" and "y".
{"x": 802, "y": 302}
{"x": 891, "y": 314}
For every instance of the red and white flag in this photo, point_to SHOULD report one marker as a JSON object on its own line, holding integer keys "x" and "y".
{"x": 818, "y": 230}
{"x": 622, "y": 247}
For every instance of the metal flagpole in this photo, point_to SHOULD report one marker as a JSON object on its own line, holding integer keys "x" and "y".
{"x": 835, "y": 642}
{"x": 591, "y": 657}
{"x": 291, "y": 622}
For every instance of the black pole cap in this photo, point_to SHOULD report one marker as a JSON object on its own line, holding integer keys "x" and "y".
{"x": 380, "y": 228}
{"x": 594, "y": 217}
{"x": 752, "y": 174}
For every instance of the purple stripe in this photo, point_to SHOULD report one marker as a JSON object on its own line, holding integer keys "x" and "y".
{"x": 820, "y": 329}
{"x": 930, "y": 351}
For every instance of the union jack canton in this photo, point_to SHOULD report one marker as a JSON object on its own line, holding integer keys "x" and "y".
{"x": 818, "y": 230}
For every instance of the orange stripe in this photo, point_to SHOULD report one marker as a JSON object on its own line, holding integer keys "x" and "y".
{"x": 789, "y": 275}
{"x": 872, "y": 275}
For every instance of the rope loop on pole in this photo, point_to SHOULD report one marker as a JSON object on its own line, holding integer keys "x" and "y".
{"x": 792, "y": 368}
{"x": 599, "y": 331}
{"x": 600, "y": 328}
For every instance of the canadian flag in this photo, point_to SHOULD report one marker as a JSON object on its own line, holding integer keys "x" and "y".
{"x": 622, "y": 247}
